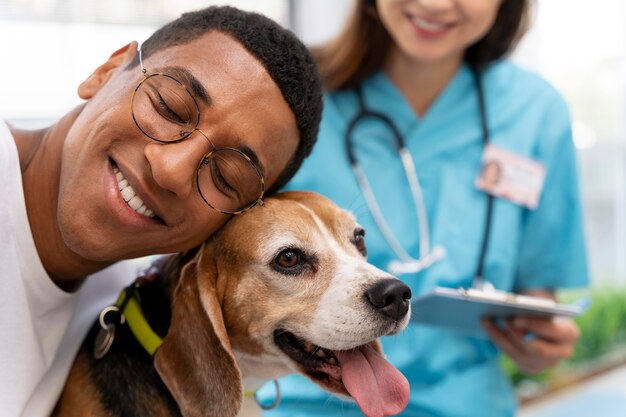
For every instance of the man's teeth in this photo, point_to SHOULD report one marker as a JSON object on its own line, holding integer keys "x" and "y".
{"x": 428, "y": 25}
{"x": 129, "y": 195}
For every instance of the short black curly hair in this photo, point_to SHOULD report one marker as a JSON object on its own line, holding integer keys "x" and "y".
{"x": 283, "y": 55}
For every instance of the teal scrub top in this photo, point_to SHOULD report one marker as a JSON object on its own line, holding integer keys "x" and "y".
{"x": 451, "y": 374}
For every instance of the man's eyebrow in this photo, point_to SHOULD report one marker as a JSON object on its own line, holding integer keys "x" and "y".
{"x": 253, "y": 157}
{"x": 189, "y": 80}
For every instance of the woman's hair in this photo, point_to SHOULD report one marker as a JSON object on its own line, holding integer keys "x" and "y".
{"x": 362, "y": 46}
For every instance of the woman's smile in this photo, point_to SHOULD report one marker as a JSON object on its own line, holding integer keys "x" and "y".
{"x": 429, "y": 28}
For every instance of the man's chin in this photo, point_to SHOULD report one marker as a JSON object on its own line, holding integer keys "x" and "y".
{"x": 91, "y": 246}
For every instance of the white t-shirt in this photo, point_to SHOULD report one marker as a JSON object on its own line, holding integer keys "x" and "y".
{"x": 41, "y": 326}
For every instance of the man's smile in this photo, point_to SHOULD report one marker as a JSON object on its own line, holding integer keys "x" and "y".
{"x": 130, "y": 202}
{"x": 129, "y": 195}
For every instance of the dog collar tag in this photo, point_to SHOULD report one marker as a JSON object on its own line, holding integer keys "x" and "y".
{"x": 109, "y": 316}
{"x": 103, "y": 342}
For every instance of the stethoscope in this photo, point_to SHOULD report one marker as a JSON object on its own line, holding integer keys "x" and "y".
{"x": 427, "y": 256}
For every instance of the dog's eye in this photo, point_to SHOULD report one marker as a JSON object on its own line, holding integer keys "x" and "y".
{"x": 359, "y": 241}
{"x": 292, "y": 261}
{"x": 289, "y": 258}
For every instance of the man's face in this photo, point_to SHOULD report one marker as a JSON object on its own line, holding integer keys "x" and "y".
{"x": 245, "y": 109}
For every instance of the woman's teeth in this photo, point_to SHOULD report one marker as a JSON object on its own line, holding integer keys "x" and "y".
{"x": 129, "y": 195}
{"x": 429, "y": 25}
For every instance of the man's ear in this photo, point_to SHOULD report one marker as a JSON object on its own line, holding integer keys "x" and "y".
{"x": 103, "y": 73}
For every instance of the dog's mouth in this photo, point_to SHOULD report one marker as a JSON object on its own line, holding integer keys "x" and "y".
{"x": 318, "y": 363}
{"x": 362, "y": 373}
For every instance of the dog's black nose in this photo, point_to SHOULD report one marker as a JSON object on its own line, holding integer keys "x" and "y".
{"x": 390, "y": 297}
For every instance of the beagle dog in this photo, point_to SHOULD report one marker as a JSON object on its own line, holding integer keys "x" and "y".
{"x": 281, "y": 288}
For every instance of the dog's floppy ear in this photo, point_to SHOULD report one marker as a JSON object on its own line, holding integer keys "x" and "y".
{"x": 196, "y": 361}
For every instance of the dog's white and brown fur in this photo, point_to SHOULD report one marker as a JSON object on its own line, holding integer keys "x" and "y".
{"x": 281, "y": 288}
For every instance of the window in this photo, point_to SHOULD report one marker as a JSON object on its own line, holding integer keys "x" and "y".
{"x": 48, "y": 47}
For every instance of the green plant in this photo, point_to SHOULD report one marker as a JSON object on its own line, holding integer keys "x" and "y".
{"x": 603, "y": 326}
{"x": 603, "y": 333}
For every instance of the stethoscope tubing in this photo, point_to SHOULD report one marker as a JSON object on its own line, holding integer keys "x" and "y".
{"x": 413, "y": 180}
{"x": 480, "y": 268}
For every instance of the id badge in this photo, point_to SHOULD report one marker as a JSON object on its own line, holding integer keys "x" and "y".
{"x": 510, "y": 176}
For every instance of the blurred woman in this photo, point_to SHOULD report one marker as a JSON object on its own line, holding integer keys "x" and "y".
{"x": 417, "y": 92}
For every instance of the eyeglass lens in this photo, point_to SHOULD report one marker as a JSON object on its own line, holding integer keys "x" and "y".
{"x": 228, "y": 181}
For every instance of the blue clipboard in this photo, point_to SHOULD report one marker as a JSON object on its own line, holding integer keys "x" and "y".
{"x": 461, "y": 309}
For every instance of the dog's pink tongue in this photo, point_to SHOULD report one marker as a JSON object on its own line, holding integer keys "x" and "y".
{"x": 376, "y": 385}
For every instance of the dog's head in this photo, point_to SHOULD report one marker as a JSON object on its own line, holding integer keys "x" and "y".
{"x": 284, "y": 288}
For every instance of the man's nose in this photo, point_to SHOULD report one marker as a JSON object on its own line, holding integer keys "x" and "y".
{"x": 174, "y": 165}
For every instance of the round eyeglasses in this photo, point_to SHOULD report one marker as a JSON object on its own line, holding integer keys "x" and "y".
{"x": 166, "y": 111}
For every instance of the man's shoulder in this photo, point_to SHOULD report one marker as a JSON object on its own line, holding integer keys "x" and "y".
{"x": 8, "y": 149}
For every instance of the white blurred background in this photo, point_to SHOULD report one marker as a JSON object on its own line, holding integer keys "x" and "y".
{"x": 47, "y": 47}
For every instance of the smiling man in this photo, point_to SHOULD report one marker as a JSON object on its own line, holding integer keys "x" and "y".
{"x": 214, "y": 111}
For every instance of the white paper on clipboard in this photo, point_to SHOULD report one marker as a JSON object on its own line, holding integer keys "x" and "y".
{"x": 461, "y": 309}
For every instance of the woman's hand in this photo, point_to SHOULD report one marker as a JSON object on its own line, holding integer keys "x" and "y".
{"x": 535, "y": 343}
